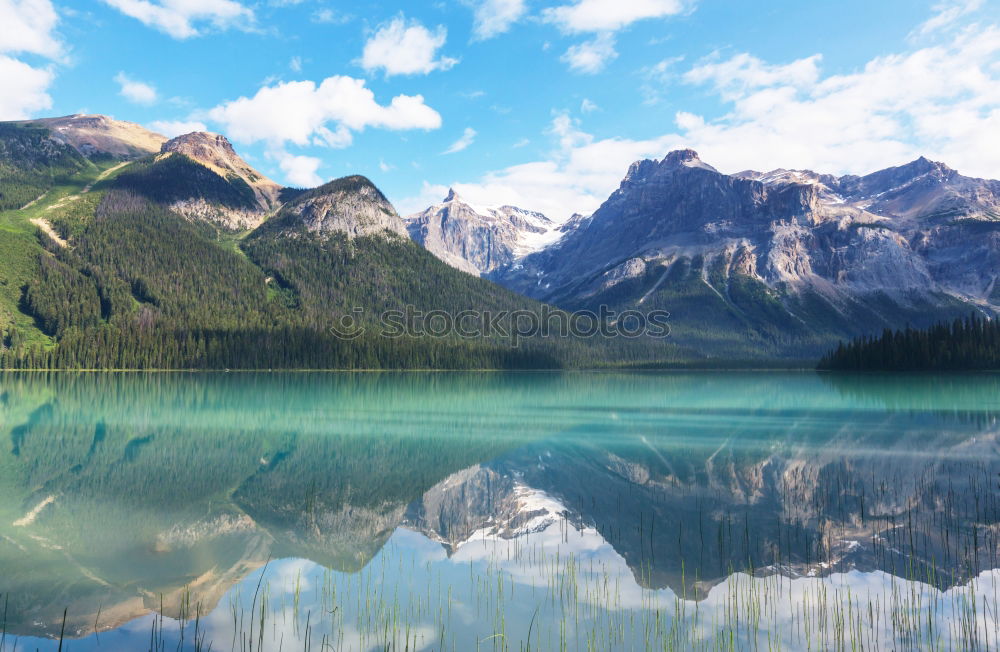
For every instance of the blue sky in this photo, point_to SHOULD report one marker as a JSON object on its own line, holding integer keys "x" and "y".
{"x": 539, "y": 103}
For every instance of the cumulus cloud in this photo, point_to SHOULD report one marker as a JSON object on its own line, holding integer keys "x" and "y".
{"x": 592, "y": 56}
{"x": 134, "y": 90}
{"x": 304, "y": 113}
{"x": 939, "y": 101}
{"x": 609, "y": 15}
{"x": 299, "y": 171}
{"x": 468, "y": 137}
{"x": 174, "y": 128}
{"x": 25, "y": 89}
{"x": 405, "y": 48}
{"x": 494, "y": 17}
{"x": 183, "y": 19}
{"x": 28, "y": 28}
{"x": 942, "y": 101}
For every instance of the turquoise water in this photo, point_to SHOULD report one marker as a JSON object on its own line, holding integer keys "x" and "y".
{"x": 498, "y": 511}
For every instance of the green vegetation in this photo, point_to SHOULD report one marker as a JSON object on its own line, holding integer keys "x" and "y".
{"x": 143, "y": 288}
{"x": 31, "y": 164}
{"x": 962, "y": 345}
{"x": 177, "y": 177}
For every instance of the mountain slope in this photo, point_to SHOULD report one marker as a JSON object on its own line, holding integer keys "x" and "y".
{"x": 216, "y": 153}
{"x": 100, "y": 135}
{"x": 781, "y": 263}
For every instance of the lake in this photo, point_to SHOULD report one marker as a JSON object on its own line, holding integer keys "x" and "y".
{"x": 499, "y": 511}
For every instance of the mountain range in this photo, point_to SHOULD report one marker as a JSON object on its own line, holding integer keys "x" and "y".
{"x": 117, "y": 240}
{"x": 775, "y": 264}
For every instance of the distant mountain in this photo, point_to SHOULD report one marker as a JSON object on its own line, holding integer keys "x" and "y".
{"x": 778, "y": 263}
{"x": 94, "y": 135}
{"x": 480, "y": 240}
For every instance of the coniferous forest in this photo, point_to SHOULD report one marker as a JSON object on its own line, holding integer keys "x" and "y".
{"x": 964, "y": 344}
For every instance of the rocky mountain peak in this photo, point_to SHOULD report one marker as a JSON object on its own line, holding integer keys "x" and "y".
{"x": 681, "y": 157}
{"x": 352, "y": 206}
{"x": 200, "y": 143}
{"x": 685, "y": 158}
{"x": 452, "y": 196}
{"x": 676, "y": 160}
{"x": 215, "y": 152}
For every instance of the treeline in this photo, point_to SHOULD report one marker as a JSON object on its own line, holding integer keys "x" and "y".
{"x": 964, "y": 344}
{"x": 110, "y": 347}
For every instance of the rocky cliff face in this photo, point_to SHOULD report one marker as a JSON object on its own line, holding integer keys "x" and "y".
{"x": 351, "y": 206}
{"x": 780, "y": 254}
{"x": 480, "y": 240}
{"x": 98, "y": 134}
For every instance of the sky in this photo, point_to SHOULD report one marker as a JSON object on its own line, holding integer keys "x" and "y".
{"x": 541, "y": 104}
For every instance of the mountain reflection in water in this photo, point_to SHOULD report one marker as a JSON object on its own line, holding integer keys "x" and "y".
{"x": 129, "y": 500}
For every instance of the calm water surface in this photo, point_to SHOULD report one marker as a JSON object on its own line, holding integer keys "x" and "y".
{"x": 498, "y": 511}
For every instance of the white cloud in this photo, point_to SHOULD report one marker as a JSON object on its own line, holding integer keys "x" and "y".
{"x": 736, "y": 76}
{"x": 587, "y": 106}
{"x": 941, "y": 101}
{"x": 179, "y": 18}
{"x": 299, "y": 171}
{"x": 468, "y": 137}
{"x": 401, "y": 48}
{"x": 303, "y": 113}
{"x": 135, "y": 91}
{"x": 947, "y": 14}
{"x": 385, "y": 167}
{"x": 24, "y": 89}
{"x": 609, "y": 15}
{"x": 295, "y": 64}
{"x": 494, "y": 17}
{"x": 592, "y": 56}
{"x": 28, "y": 26}
{"x": 174, "y": 128}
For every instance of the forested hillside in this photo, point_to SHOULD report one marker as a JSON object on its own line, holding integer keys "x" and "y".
{"x": 31, "y": 163}
{"x": 969, "y": 344}
{"x": 129, "y": 283}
